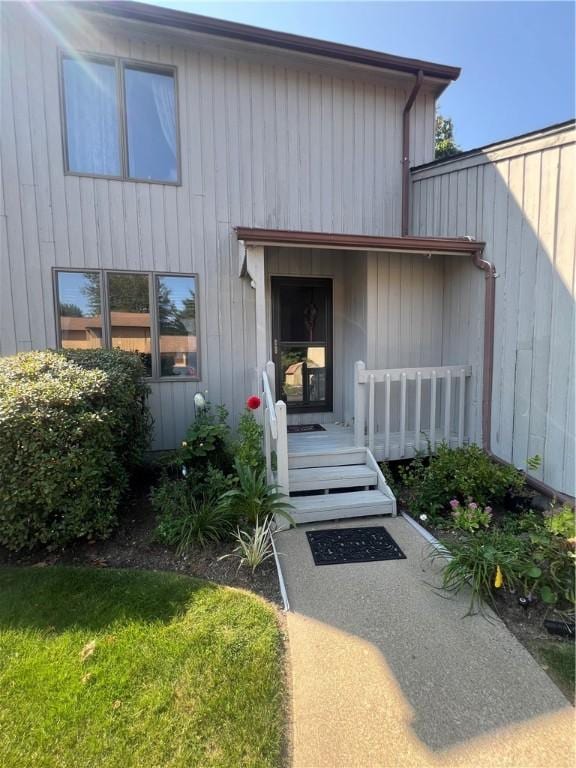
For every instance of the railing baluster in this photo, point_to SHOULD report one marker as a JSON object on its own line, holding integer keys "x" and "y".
{"x": 447, "y": 405}
{"x": 371, "y": 414}
{"x": 402, "y": 414}
{"x": 433, "y": 411}
{"x": 461, "y": 394}
{"x": 417, "y": 408}
{"x": 387, "y": 418}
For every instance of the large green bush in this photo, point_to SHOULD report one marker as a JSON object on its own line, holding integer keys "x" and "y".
{"x": 466, "y": 474}
{"x": 72, "y": 426}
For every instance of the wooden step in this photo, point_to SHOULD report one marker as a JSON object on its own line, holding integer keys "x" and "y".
{"x": 333, "y": 506}
{"x": 333, "y": 458}
{"x": 320, "y": 478}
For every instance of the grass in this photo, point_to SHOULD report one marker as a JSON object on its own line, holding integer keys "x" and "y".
{"x": 124, "y": 668}
{"x": 559, "y": 659}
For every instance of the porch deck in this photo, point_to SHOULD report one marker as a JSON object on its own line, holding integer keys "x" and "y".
{"x": 339, "y": 437}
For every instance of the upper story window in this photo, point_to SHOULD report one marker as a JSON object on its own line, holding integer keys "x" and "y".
{"x": 120, "y": 119}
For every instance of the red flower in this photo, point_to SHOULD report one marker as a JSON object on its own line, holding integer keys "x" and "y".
{"x": 253, "y": 402}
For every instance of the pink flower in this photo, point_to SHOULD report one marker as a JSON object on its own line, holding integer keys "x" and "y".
{"x": 472, "y": 505}
{"x": 454, "y": 503}
{"x": 488, "y": 510}
{"x": 253, "y": 402}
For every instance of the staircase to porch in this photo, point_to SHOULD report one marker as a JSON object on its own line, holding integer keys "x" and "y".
{"x": 324, "y": 483}
{"x": 337, "y": 483}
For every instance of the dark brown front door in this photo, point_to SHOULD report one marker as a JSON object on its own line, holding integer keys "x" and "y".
{"x": 302, "y": 342}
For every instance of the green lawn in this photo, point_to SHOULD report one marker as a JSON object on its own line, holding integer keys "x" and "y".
{"x": 560, "y": 660}
{"x": 128, "y": 668}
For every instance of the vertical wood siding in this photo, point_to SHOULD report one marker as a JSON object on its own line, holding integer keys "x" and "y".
{"x": 520, "y": 198}
{"x": 261, "y": 145}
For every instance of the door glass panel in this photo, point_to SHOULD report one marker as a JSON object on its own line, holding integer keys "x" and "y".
{"x": 80, "y": 310}
{"x": 303, "y": 313}
{"x": 303, "y": 374}
{"x": 129, "y": 302}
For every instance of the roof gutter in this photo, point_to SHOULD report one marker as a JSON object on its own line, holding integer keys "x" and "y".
{"x": 168, "y": 17}
{"x": 406, "y": 152}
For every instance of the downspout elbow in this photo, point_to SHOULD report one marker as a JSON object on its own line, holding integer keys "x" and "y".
{"x": 406, "y": 151}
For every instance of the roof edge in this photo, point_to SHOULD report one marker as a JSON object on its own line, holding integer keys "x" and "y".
{"x": 255, "y": 235}
{"x": 554, "y": 127}
{"x": 192, "y": 22}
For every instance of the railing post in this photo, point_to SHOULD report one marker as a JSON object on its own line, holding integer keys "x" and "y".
{"x": 402, "y": 414}
{"x": 282, "y": 448}
{"x": 433, "y": 411}
{"x": 387, "y": 381}
{"x": 461, "y": 404}
{"x": 371, "y": 414}
{"x": 359, "y": 405}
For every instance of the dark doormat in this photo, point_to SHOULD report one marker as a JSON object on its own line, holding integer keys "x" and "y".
{"x": 353, "y": 545}
{"x": 296, "y": 428}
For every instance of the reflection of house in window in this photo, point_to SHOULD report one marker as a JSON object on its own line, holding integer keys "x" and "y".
{"x": 81, "y": 332}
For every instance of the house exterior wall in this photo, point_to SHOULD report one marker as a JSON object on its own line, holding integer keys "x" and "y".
{"x": 519, "y": 197}
{"x": 267, "y": 139}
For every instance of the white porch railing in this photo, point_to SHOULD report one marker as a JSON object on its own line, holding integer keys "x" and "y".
{"x": 275, "y": 430}
{"x": 436, "y": 408}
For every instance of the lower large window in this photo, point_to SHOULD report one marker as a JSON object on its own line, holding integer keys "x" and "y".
{"x": 148, "y": 313}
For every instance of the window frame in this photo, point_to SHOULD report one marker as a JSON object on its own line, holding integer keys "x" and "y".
{"x": 120, "y": 63}
{"x": 154, "y": 316}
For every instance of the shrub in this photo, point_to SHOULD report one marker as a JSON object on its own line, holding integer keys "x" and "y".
{"x": 250, "y": 436}
{"x": 461, "y": 473}
{"x": 254, "y": 499}
{"x": 184, "y": 518}
{"x": 561, "y": 522}
{"x": 72, "y": 425}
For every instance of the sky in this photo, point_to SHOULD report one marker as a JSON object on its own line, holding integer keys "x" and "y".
{"x": 517, "y": 58}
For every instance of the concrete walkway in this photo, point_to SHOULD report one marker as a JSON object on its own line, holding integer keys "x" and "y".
{"x": 386, "y": 673}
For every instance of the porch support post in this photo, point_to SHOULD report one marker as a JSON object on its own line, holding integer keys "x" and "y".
{"x": 255, "y": 269}
{"x": 359, "y": 405}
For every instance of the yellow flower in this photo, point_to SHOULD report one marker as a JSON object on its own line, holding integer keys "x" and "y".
{"x": 498, "y": 581}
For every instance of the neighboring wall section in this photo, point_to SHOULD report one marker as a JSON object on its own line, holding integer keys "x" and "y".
{"x": 518, "y": 196}
{"x": 271, "y": 140}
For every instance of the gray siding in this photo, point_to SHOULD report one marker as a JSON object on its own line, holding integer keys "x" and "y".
{"x": 520, "y": 198}
{"x": 266, "y": 140}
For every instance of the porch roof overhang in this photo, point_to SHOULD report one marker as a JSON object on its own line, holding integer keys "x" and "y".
{"x": 251, "y": 236}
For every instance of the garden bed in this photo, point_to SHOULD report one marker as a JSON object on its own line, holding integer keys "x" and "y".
{"x": 498, "y": 545}
{"x": 133, "y": 545}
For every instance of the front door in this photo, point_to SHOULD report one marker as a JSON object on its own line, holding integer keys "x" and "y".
{"x": 302, "y": 342}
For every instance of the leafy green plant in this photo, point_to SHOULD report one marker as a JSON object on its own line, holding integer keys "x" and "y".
{"x": 552, "y": 573}
{"x": 73, "y": 426}
{"x": 561, "y": 522}
{"x": 470, "y": 516}
{"x": 254, "y": 498}
{"x": 482, "y": 562}
{"x": 207, "y": 443}
{"x": 254, "y": 547}
{"x": 459, "y": 473}
{"x": 184, "y": 519}
{"x": 249, "y": 447}
{"x": 534, "y": 462}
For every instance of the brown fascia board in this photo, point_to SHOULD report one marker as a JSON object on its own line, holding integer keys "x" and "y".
{"x": 153, "y": 14}
{"x": 359, "y": 242}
